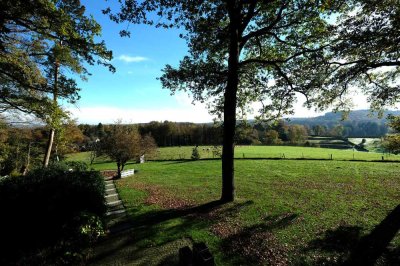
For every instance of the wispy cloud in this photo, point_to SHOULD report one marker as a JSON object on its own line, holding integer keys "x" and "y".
{"x": 132, "y": 59}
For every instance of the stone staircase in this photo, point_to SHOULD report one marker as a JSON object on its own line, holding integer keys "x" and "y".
{"x": 116, "y": 212}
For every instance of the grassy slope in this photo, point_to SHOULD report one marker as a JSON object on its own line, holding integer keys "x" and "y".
{"x": 299, "y": 203}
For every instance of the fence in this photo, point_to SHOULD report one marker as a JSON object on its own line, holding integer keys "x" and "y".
{"x": 127, "y": 173}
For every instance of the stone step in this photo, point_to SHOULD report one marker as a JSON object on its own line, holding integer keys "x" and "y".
{"x": 112, "y": 197}
{"x": 116, "y": 205}
{"x": 110, "y": 186}
{"x": 111, "y": 191}
{"x": 113, "y": 203}
{"x": 115, "y": 208}
{"x": 115, "y": 213}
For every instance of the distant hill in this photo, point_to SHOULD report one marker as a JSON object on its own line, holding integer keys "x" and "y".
{"x": 357, "y": 115}
{"x": 359, "y": 123}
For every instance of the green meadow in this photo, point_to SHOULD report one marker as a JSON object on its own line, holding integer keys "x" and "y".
{"x": 251, "y": 152}
{"x": 286, "y": 212}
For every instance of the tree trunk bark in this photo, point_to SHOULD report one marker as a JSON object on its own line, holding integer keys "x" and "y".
{"x": 48, "y": 149}
{"x": 119, "y": 170}
{"x": 52, "y": 131}
{"x": 28, "y": 160}
{"x": 230, "y": 98}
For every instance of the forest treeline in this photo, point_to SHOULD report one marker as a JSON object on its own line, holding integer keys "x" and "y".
{"x": 23, "y": 147}
{"x": 247, "y": 133}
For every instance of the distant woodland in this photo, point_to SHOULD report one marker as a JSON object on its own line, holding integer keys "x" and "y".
{"x": 358, "y": 124}
{"x": 21, "y": 146}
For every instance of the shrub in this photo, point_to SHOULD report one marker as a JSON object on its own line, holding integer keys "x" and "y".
{"x": 45, "y": 211}
{"x": 195, "y": 154}
{"x": 217, "y": 151}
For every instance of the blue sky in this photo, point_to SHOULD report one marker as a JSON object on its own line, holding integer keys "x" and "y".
{"x": 133, "y": 93}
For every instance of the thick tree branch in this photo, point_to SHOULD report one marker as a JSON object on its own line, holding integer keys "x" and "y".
{"x": 264, "y": 30}
{"x": 250, "y": 14}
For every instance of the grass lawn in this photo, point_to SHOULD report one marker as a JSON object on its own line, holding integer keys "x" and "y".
{"x": 295, "y": 212}
{"x": 272, "y": 152}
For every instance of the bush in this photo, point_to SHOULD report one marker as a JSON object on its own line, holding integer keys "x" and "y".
{"x": 45, "y": 211}
{"x": 195, "y": 154}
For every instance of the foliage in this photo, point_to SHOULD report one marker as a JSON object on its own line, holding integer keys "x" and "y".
{"x": 319, "y": 130}
{"x": 51, "y": 213}
{"x": 392, "y": 142}
{"x": 148, "y": 146}
{"x": 20, "y": 149}
{"x": 394, "y": 122}
{"x": 121, "y": 145}
{"x": 68, "y": 139}
{"x": 246, "y": 134}
{"x": 337, "y": 131}
{"x": 42, "y": 43}
{"x": 124, "y": 143}
{"x": 239, "y": 52}
{"x": 165, "y": 133}
{"x": 216, "y": 151}
{"x": 364, "y": 54}
{"x": 272, "y": 137}
{"x": 297, "y": 134}
{"x": 195, "y": 154}
{"x": 35, "y": 36}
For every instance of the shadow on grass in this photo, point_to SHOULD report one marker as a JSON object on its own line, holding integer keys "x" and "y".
{"x": 257, "y": 244}
{"x": 354, "y": 249}
{"x": 157, "y": 228}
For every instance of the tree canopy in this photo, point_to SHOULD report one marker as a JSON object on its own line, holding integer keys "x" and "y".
{"x": 240, "y": 52}
{"x": 392, "y": 141}
{"x": 124, "y": 143}
{"x": 364, "y": 53}
{"x": 35, "y": 37}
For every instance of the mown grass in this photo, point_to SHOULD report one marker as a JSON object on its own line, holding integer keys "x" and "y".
{"x": 270, "y": 152}
{"x": 309, "y": 212}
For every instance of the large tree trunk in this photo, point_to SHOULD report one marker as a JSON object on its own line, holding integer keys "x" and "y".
{"x": 49, "y": 148}
{"x": 119, "y": 170}
{"x": 228, "y": 187}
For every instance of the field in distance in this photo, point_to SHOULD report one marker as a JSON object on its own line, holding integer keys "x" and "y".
{"x": 248, "y": 152}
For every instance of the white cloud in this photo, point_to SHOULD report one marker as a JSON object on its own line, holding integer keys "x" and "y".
{"x": 108, "y": 114}
{"x": 132, "y": 59}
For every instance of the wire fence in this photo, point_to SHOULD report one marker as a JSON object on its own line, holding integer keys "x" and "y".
{"x": 316, "y": 154}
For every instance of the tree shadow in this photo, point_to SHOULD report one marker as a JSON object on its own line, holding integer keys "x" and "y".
{"x": 148, "y": 229}
{"x": 257, "y": 244}
{"x": 353, "y": 249}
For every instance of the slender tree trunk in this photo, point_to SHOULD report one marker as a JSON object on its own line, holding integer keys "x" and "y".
{"x": 228, "y": 187}
{"x": 52, "y": 131}
{"x": 28, "y": 160}
{"x": 119, "y": 170}
{"x": 49, "y": 148}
